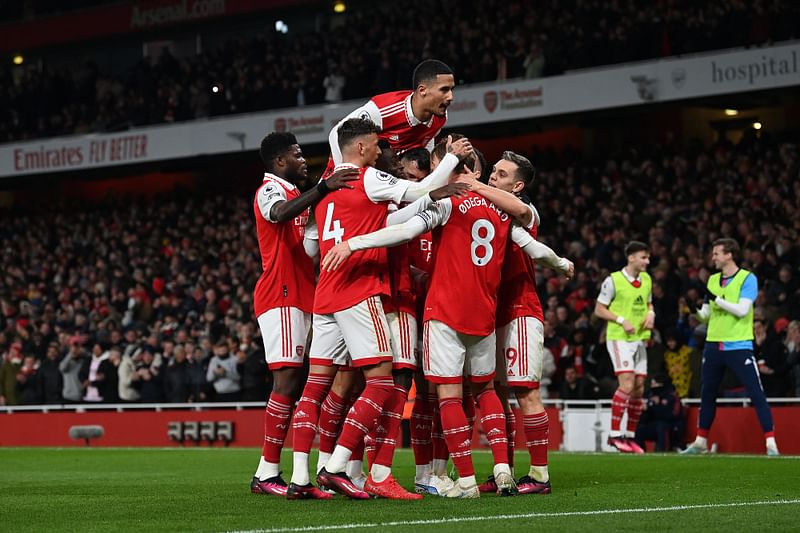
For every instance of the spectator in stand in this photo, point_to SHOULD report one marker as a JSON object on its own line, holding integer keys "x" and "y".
{"x": 574, "y": 387}
{"x": 663, "y": 419}
{"x": 107, "y": 377}
{"x": 793, "y": 358}
{"x": 770, "y": 354}
{"x": 177, "y": 384}
{"x": 128, "y": 377}
{"x": 27, "y": 381}
{"x": 223, "y": 373}
{"x": 70, "y": 368}
{"x": 50, "y": 381}
{"x": 11, "y": 365}
{"x": 150, "y": 383}
{"x": 90, "y": 380}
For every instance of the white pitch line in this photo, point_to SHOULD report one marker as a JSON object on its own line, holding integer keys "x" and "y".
{"x": 454, "y": 520}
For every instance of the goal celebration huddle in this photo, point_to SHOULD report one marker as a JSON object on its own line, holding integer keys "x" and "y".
{"x": 426, "y": 276}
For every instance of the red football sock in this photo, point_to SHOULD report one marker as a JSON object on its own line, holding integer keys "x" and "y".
{"x": 421, "y": 426}
{"x": 331, "y": 418}
{"x": 635, "y": 407}
{"x": 493, "y": 422}
{"x": 469, "y": 408}
{"x": 537, "y": 436}
{"x": 388, "y": 429}
{"x": 306, "y": 416}
{"x": 276, "y": 425}
{"x": 456, "y": 433}
{"x": 439, "y": 448}
{"x": 511, "y": 434}
{"x": 363, "y": 416}
{"x": 618, "y": 405}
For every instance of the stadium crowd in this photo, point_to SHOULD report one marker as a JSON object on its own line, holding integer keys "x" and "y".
{"x": 358, "y": 58}
{"x": 152, "y": 301}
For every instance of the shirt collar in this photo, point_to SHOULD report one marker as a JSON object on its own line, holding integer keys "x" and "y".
{"x": 412, "y": 120}
{"x": 269, "y": 175}
{"x": 628, "y": 276}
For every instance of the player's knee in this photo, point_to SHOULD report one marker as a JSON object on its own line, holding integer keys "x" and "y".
{"x": 530, "y": 401}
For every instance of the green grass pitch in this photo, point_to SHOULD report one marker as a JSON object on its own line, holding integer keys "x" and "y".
{"x": 207, "y": 490}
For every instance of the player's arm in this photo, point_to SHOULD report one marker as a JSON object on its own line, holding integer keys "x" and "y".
{"x": 747, "y": 296}
{"x": 650, "y": 319}
{"x": 283, "y": 210}
{"x": 417, "y": 206}
{"x": 601, "y": 310}
{"x": 311, "y": 238}
{"x": 541, "y": 252}
{"x": 368, "y": 111}
{"x": 435, "y": 215}
{"x": 506, "y": 201}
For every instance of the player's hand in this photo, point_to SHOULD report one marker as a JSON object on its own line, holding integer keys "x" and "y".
{"x": 339, "y": 179}
{"x": 335, "y": 257}
{"x": 628, "y": 327}
{"x": 570, "y": 271}
{"x": 451, "y": 189}
{"x": 650, "y": 320}
{"x": 460, "y": 148}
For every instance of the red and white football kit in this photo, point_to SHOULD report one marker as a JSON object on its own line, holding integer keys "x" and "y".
{"x": 284, "y": 293}
{"x": 400, "y": 308}
{"x": 520, "y": 320}
{"x": 392, "y": 113}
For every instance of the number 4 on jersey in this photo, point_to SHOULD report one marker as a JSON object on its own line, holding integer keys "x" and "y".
{"x": 332, "y": 228}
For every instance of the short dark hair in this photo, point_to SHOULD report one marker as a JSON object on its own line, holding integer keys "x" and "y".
{"x": 525, "y": 170}
{"x": 486, "y": 170}
{"x": 440, "y": 150}
{"x": 729, "y": 246}
{"x": 428, "y": 70}
{"x": 353, "y": 128}
{"x": 636, "y": 246}
{"x": 421, "y": 156}
{"x": 275, "y": 144}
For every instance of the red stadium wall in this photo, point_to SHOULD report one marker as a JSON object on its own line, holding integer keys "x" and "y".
{"x": 735, "y": 429}
{"x": 149, "y": 428}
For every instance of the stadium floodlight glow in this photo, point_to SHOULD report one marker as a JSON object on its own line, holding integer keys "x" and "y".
{"x": 281, "y": 26}
{"x": 215, "y": 88}
{"x": 756, "y": 125}
{"x": 731, "y": 112}
{"x": 18, "y": 59}
{"x": 339, "y": 7}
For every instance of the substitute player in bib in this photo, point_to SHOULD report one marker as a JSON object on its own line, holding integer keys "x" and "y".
{"x": 470, "y": 234}
{"x": 728, "y": 309}
{"x": 520, "y": 337}
{"x": 284, "y": 293}
{"x": 349, "y": 323}
{"x": 626, "y": 303}
{"x": 407, "y": 119}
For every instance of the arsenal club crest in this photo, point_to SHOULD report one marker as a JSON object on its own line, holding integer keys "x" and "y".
{"x": 490, "y": 101}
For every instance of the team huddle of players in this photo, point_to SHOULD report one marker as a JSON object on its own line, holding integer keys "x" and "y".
{"x": 406, "y": 241}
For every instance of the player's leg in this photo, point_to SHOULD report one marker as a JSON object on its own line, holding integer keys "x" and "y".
{"x": 635, "y": 402}
{"x": 443, "y": 363}
{"x": 328, "y": 350}
{"x": 622, "y": 357}
{"x": 524, "y": 341}
{"x": 712, "y": 371}
{"x": 421, "y": 426}
{"x": 481, "y": 357}
{"x": 744, "y": 365}
{"x": 284, "y": 354}
{"x": 367, "y": 336}
{"x": 332, "y": 412}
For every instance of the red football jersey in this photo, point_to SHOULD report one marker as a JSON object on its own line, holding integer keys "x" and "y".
{"x": 518, "y": 295}
{"x": 347, "y": 213}
{"x": 403, "y": 290}
{"x": 287, "y": 279}
{"x": 392, "y": 113}
{"x": 470, "y": 250}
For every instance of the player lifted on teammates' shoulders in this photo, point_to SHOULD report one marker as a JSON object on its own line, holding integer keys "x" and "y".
{"x": 626, "y": 303}
{"x": 349, "y": 323}
{"x": 411, "y": 118}
{"x": 284, "y": 294}
{"x": 471, "y": 233}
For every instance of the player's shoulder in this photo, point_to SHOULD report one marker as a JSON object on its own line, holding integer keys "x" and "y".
{"x": 387, "y": 100}
{"x": 372, "y": 173}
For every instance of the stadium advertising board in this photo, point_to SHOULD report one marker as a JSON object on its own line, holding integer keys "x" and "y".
{"x": 625, "y": 85}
